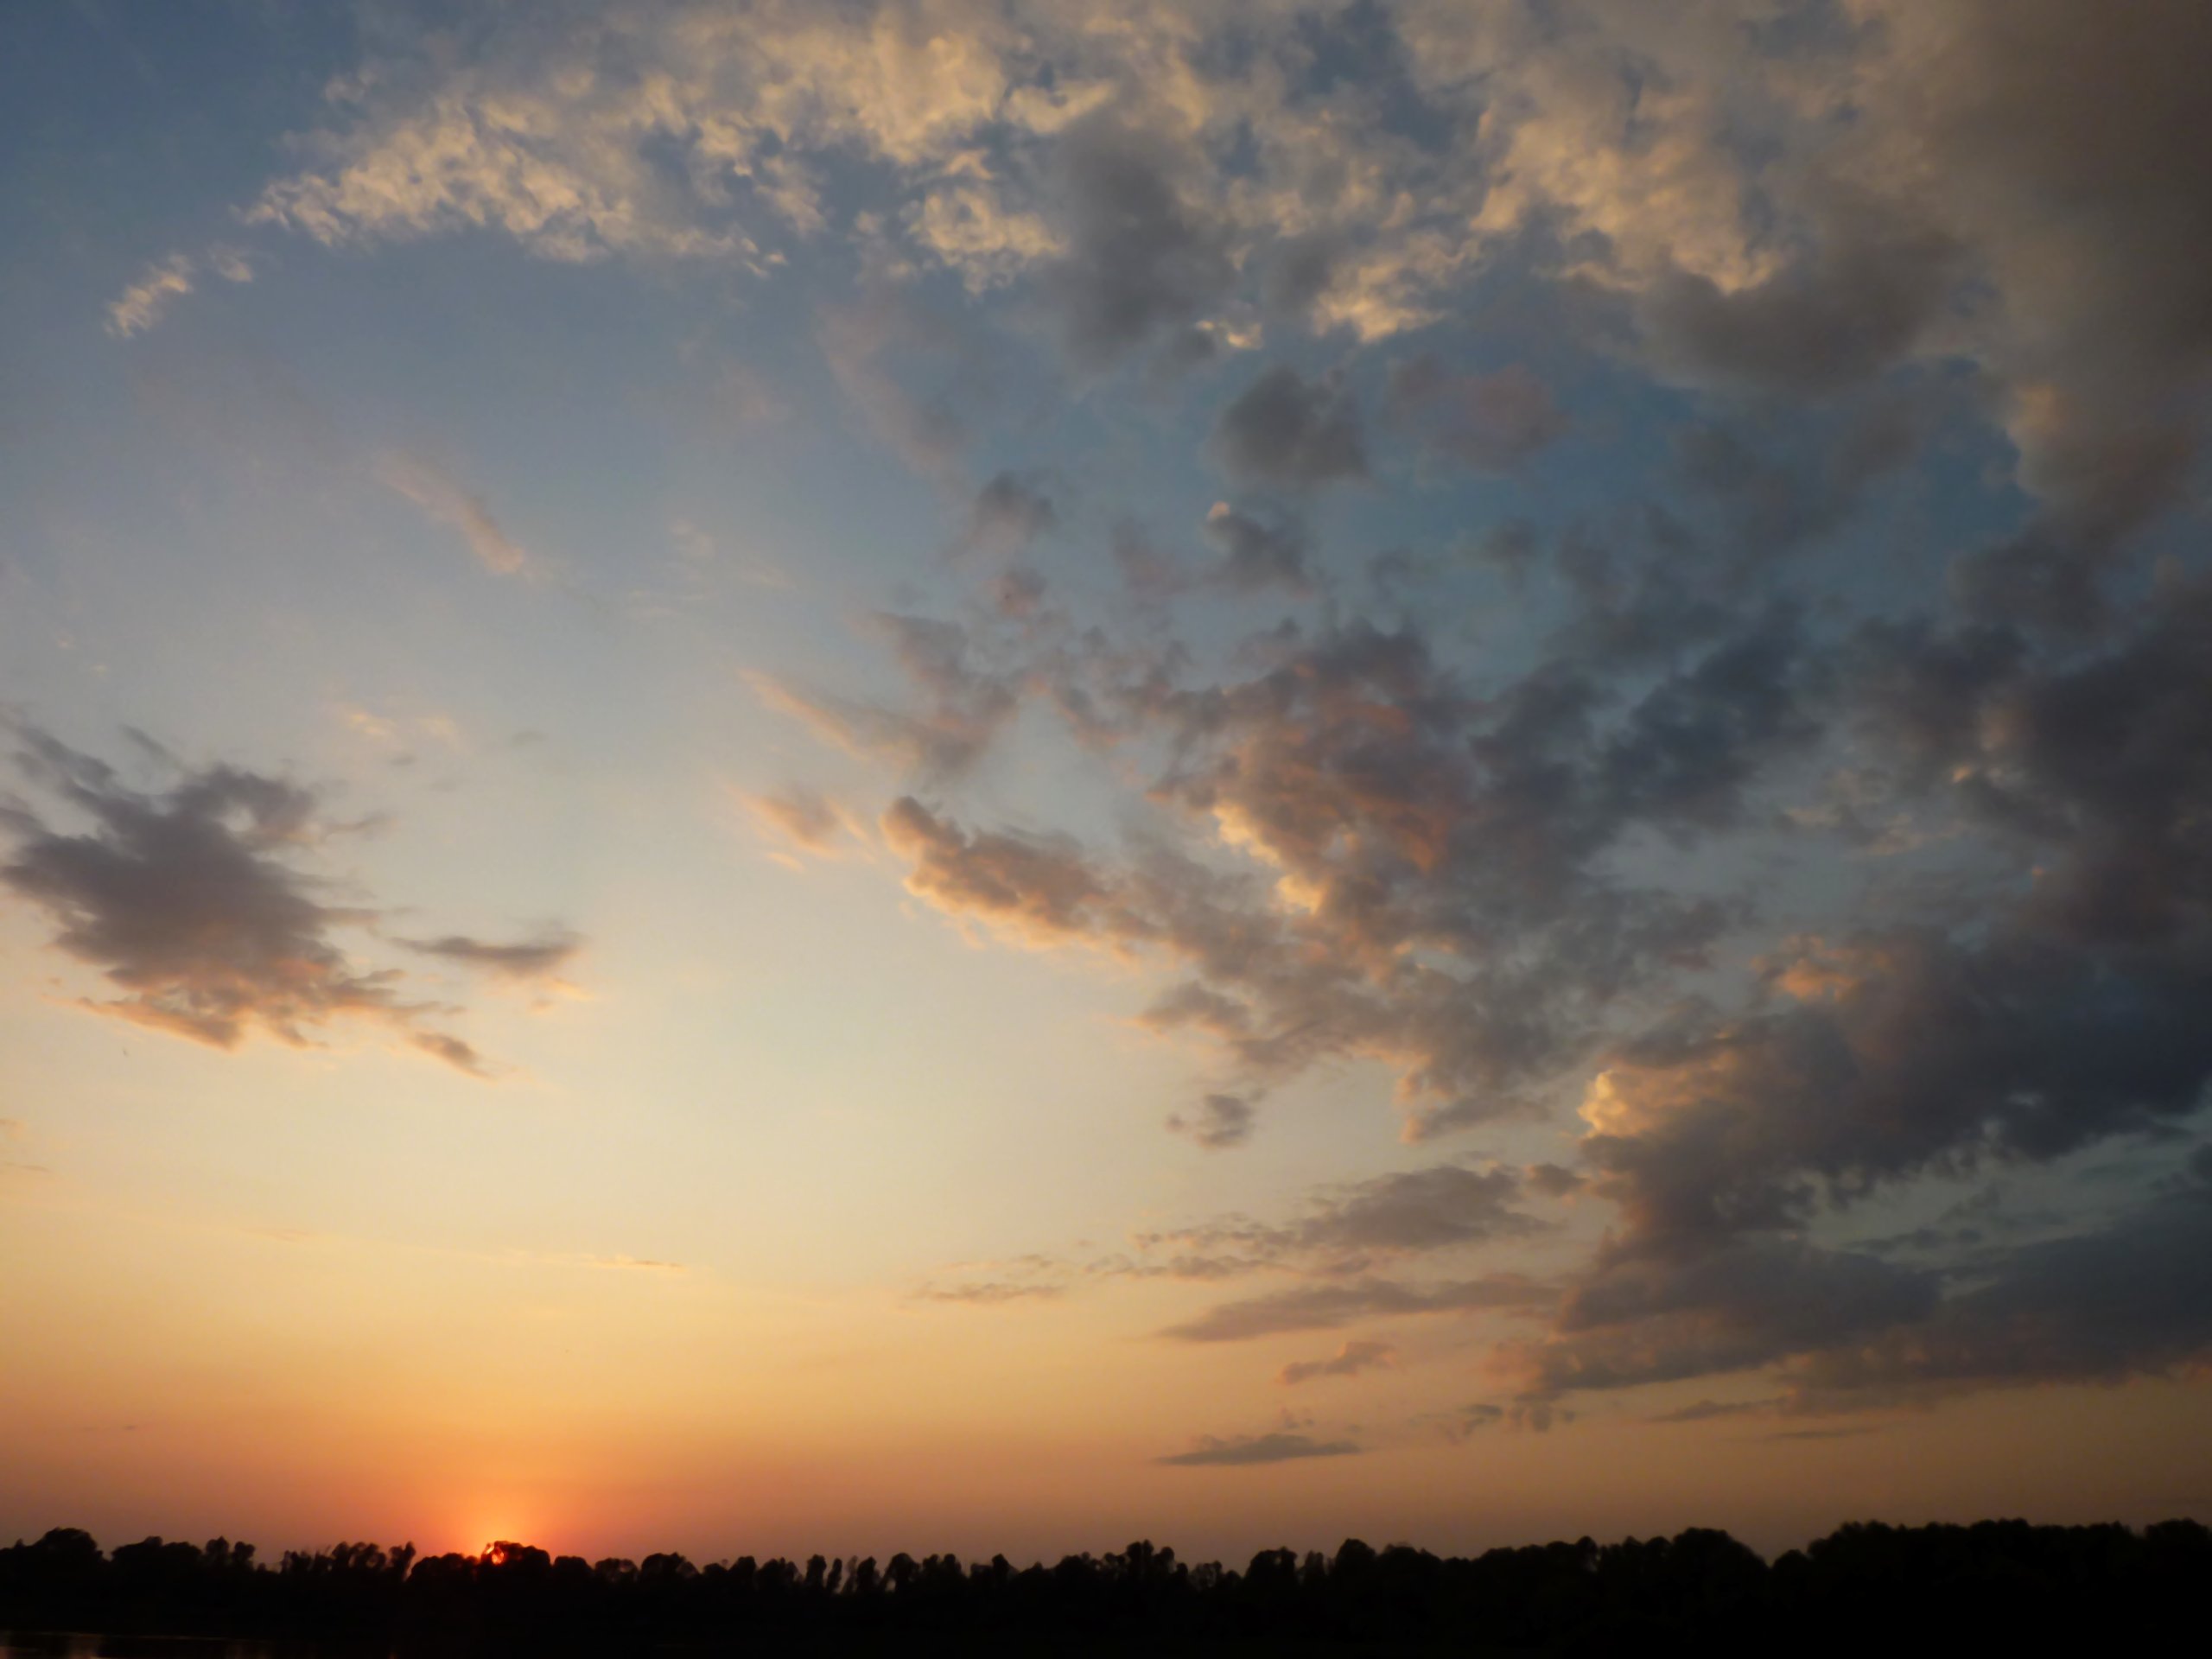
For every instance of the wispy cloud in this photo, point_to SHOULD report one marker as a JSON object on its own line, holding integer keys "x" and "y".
{"x": 140, "y": 306}
{"x": 1243, "y": 1451}
{"x": 445, "y": 500}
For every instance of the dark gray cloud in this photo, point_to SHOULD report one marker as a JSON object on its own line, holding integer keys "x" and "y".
{"x": 1256, "y": 555}
{"x": 193, "y": 903}
{"x": 1849, "y": 310}
{"x": 1143, "y": 262}
{"x": 2130, "y": 1299}
{"x": 2067, "y": 1011}
{"x": 1259, "y": 1448}
{"x": 1643, "y": 1318}
{"x": 1291, "y": 433}
{"x": 1349, "y": 1360}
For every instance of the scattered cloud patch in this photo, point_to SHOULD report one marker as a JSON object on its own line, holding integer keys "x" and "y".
{"x": 1243, "y": 1451}
{"x": 140, "y": 306}
{"x": 1349, "y": 1360}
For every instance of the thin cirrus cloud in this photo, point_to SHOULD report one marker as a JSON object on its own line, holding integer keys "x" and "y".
{"x": 541, "y": 958}
{"x": 429, "y": 487}
{"x": 1244, "y": 1451}
{"x": 1325, "y": 1306}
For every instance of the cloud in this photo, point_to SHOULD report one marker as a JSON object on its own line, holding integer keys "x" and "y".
{"x": 1811, "y": 911}
{"x": 139, "y": 307}
{"x": 960, "y": 704}
{"x": 193, "y": 904}
{"x": 1349, "y": 1360}
{"x": 1383, "y": 812}
{"x": 918, "y": 377}
{"x": 1140, "y": 261}
{"x": 524, "y": 959}
{"x": 1286, "y": 431}
{"x": 1640, "y": 1319}
{"x": 1036, "y": 886}
{"x": 1008, "y": 514}
{"x": 803, "y": 817}
{"x": 1243, "y": 1449}
{"x": 2130, "y": 1298}
{"x": 1470, "y": 1419}
{"x": 443, "y": 500}
{"x": 992, "y": 1293}
{"x": 1843, "y": 315}
{"x": 1221, "y": 1121}
{"x": 1345, "y": 1229}
{"x": 1256, "y": 555}
{"x": 1325, "y": 1306}
{"x": 1796, "y": 208}
{"x": 1704, "y": 1410}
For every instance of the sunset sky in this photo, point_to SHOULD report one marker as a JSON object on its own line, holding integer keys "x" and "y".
{"x": 995, "y": 776}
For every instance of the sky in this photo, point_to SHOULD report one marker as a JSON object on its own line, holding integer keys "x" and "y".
{"x": 995, "y": 775}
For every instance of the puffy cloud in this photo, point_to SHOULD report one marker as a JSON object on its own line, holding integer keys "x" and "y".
{"x": 191, "y": 903}
{"x": 1033, "y": 885}
{"x": 1790, "y": 199}
{"x": 1141, "y": 260}
{"x": 1844, "y": 315}
{"x": 1349, "y": 1360}
{"x": 1422, "y": 881}
{"x": 1242, "y": 1449}
{"x": 1486, "y": 877}
{"x": 1286, "y": 431}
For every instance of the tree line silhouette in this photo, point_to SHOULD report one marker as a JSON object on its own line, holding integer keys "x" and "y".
{"x": 1864, "y": 1583}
